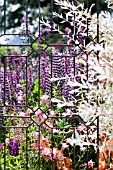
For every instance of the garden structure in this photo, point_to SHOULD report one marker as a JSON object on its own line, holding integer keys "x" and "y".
{"x": 52, "y": 91}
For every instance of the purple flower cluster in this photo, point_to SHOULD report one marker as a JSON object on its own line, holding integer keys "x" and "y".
{"x": 15, "y": 80}
{"x": 46, "y": 75}
{"x": 81, "y": 37}
{"x": 60, "y": 64}
{"x": 14, "y": 147}
{"x": 21, "y": 73}
{"x": 1, "y": 82}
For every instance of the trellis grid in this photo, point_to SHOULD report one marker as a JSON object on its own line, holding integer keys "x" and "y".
{"x": 29, "y": 128}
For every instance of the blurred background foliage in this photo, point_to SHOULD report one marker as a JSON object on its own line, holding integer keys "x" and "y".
{"x": 16, "y": 10}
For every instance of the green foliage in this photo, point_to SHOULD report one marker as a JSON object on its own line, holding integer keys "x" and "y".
{"x": 1, "y": 134}
{"x": 36, "y": 92}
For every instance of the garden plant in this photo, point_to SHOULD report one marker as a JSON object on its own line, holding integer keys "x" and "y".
{"x": 56, "y": 92}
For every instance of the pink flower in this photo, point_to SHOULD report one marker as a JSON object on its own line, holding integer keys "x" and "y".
{"x": 12, "y": 130}
{"x": 67, "y": 113}
{"x": 57, "y": 154}
{"x": 44, "y": 117}
{"x": 46, "y": 152}
{"x": 90, "y": 164}
{"x": 7, "y": 141}
{"x": 52, "y": 113}
{"x": 50, "y": 124}
{"x": 24, "y": 19}
{"x": 20, "y": 98}
{"x": 22, "y": 114}
{"x": 28, "y": 112}
{"x": 35, "y": 146}
{"x": 36, "y": 135}
{"x": 81, "y": 128}
{"x": 45, "y": 99}
{"x": 54, "y": 153}
{"x": 23, "y": 138}
{"x": 40, "y": 115}
{"x": 18, "y": 133}
{"x": 64, "y": 145}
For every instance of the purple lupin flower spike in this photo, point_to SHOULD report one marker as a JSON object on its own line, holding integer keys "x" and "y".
{"x": 14, "y": 147}
{"x": 1, "y": 82}
{"x": 81, "y": 37}
{"x": 46, "y": 74}
{"x": 30, "y": 73}
{"x": 67, "y": 68}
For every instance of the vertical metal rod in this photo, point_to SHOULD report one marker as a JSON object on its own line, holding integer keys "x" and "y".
{"x": 5, "y": 66}
{"x": 87, "y": 156}
{"x": 39, "y": 149}
{"x": 51, "y": 20}
{"x": 4, "y": 85}
{"x": 51, "y": 55}
{"x": 26, "y": 57}
{"x": 74, "y": 32}
{"x": 87, "y": 3}
{"x": 52, "y": 167}
{"x": 26, "y": 149}
{"x": 26, "y": 16}
{"x": 87, "y": 6}
{"x": 4, "y": 16}
{"x": 39, "y": 54}
{"x": 97, "y": 143}
{"x": 26, "y": 81}
{"x": 97, "y": 8}
{"x": 51, "y": 75}
{"x": 4, "y": 149}
{"x": 51, "y": 13}
{"x": 39, "y": 78}
{"x": 74, "y": 152}
{"x": 4, "y": 56}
